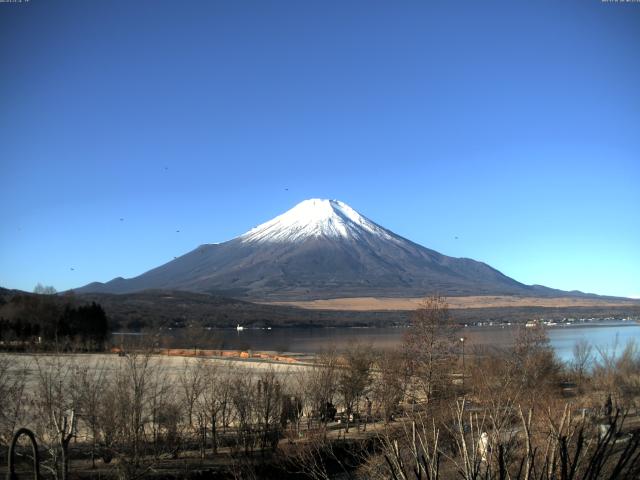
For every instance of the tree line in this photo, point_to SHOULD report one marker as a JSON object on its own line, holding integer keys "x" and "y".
{"x": 49, "y": 322}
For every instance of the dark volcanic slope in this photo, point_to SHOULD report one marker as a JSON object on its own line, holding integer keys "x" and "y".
{"x": 321, "y": 249}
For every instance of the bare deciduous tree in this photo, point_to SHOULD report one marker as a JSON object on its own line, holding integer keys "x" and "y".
{"x": 321, "y": 384}
{"x": 192, "y": 385}
{"x": 567, "y": 447}
{"x": 617, "y": 374}
{"x": 389, "y": 383}
{"x": 533, "y": 360}
{"x": 90, "y": 383}
{"x": 429, "y": 344}
{"x": 56, "y": 402}
{"x": 268, "y": 405}
{"x": 12, "y": 392}
{"x": 354, "y": 378}
{"x": 44, "y": 289}
{"x": 582, "y": 357}
{"x": 242, "y": 389}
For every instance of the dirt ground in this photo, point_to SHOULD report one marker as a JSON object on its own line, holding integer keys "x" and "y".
{"x": 173, "y": 366}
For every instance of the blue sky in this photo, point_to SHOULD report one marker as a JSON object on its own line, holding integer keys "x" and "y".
{"x": 514, "y": 126}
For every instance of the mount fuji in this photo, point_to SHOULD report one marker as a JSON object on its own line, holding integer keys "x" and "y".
{"x": 321, "y": 249}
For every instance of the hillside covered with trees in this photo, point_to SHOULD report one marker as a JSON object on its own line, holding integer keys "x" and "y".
{"x": 46, "y": 321}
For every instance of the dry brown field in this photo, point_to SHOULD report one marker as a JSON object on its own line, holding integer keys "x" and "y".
{"x": 411, "y": 303}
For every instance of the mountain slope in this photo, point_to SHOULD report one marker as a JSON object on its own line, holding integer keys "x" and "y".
{"x": 321, "y": 249}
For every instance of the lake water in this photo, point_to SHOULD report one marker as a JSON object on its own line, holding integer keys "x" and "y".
{"x": 312, "y": 340}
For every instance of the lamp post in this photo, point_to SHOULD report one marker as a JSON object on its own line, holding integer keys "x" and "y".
{"x": 462, "y": 342}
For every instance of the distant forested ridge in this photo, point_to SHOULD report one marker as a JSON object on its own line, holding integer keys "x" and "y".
{"x": 51, "y": 322}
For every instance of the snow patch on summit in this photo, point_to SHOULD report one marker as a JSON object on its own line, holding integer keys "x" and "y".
{"x": 316, "y": 218}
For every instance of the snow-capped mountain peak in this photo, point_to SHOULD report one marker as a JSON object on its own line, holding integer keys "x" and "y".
{"x": 315, "y": 218}
{"x": 320, "y": 249}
